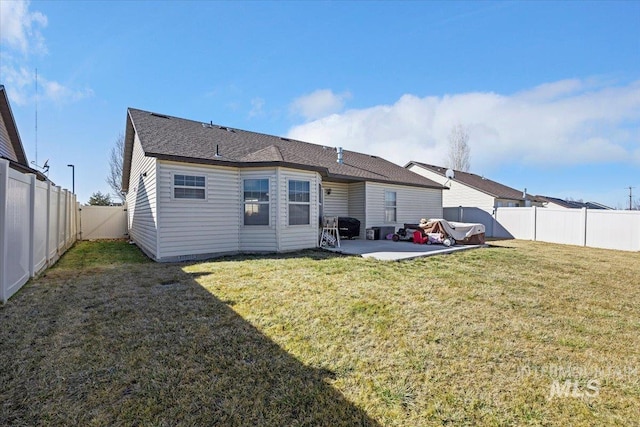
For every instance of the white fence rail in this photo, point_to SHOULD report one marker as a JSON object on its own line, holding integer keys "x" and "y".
{"x": 103, "y": 222}
{"x": 38, "y": 223}
{"x": 584, "y": 227}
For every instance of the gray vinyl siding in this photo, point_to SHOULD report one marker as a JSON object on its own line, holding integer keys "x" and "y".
{"x": 458, "y": 193}
{"x": 336, "y": 203}
{"x": 412, "y": 204}
{"x": 6, "y": 148}
{"x": 357, "y": 205}
{"x": 294, "y": 237}
{"x": 259, "y": 238}
{"x": 141, "y": 201}
{"x": 198, "y": 227}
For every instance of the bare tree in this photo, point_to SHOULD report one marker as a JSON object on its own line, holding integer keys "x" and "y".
{"x": 114, "y": 179}
{"x": 459, "y": 152}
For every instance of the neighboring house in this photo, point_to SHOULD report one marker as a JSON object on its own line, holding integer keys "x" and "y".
{"x": 11, "y": 147}
{"x": 37, "y": 219}
{"x": 471, "y": 190}
{"x": 554, "y": 202}
{"x": 197, "y": 189}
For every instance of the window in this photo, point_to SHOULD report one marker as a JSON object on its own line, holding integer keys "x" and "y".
{"x": 299, "y": 207}
{"x": 188, "y": 187}
{"x": 256, "y": 202}
{"x": 389, "y": 206}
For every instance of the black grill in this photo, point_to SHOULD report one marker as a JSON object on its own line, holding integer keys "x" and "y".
{"x": 348, "y": 227}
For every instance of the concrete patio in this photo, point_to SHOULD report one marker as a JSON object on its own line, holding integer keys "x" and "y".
{"x": 388, "y": 250}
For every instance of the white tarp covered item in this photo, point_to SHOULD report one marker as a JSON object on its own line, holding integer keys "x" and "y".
{"x": 460, "y": 230}
{"x": 469, "y": 233}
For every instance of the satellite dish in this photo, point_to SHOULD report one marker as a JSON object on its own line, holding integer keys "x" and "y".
{"x": 449, "y": 174}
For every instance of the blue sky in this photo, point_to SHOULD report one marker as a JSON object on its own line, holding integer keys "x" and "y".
{"x": 549, "y": 92}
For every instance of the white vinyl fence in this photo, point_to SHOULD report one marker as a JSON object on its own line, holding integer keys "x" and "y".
{"x": 38, "y": 223}
{"x": 103, "y": 222}
{"x": 584, "y": 227}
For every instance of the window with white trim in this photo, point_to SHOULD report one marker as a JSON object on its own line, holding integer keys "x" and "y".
{"x": 390, "y": 207}
{"x": 189, "y": 187}
{"x": 299, "y": 203}
{"x": 256, "y": 201}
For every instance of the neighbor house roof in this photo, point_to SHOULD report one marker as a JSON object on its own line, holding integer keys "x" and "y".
{"x": 10, "y": 143}
{"x": 172, "y": 138}
{"x": 477, "y": 182}
{"x": 572, "y": 204}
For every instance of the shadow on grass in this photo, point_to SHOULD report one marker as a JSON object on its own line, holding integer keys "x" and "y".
{"x": 146, "y": 344}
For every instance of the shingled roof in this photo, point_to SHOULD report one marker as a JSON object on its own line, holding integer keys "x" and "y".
{"x": 172, "y": 138}
{"x": 572, "y": 204}
{"x": 477, "y": 182}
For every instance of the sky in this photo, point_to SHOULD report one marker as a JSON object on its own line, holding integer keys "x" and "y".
{"x": 549, "y": 92}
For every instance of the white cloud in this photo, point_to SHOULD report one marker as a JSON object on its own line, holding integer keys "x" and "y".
{"x": 257, "y": 105}
{"x": 21, "y": 27}
{"x": 319, "y": 103}
{"x": 21, "y": 36}
{"x": 61, "y": 94}
{"x": 20, "y": 85}
{"x": 565, "y": 122}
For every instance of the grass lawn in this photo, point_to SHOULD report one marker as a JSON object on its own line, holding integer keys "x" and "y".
{"x": 483, "y": 337}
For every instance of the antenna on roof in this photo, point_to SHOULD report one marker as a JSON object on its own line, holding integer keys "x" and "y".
{"x": 36, "y": 116}
{"x": 450, "y": 174}
{"x": 217, "y": 151}
{"x": 44, "y": 167}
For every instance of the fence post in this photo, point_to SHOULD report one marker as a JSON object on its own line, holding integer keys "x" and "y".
{"x": 32, "y": 224}
{"x": 460, "y": 214}
{"x": 66, "y": 221}
{"x": 583, "y": 218}
{"x": 47, "y": 245}
{"x": 58, "y": 221}
{"x": 4, "y": 184}
{"x": 80, "y": 221}
{"x": 535, "y": 223}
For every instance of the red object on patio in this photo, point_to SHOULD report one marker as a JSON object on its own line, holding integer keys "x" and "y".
{"x": 418, "y": 238}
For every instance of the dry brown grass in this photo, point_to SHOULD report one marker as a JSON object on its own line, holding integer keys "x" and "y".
{"x": 475, "y": 338}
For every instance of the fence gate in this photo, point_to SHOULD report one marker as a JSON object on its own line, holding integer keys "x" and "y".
{"x": 103, "y": 222}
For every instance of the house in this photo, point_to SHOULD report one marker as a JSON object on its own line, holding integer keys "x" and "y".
{"x": 472, "y": 198}
{"x": 11, "y": 148}
{"x": 468, "y": 189}
{"x": 554, "y": 202}
{"x": 196, "y": 190}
